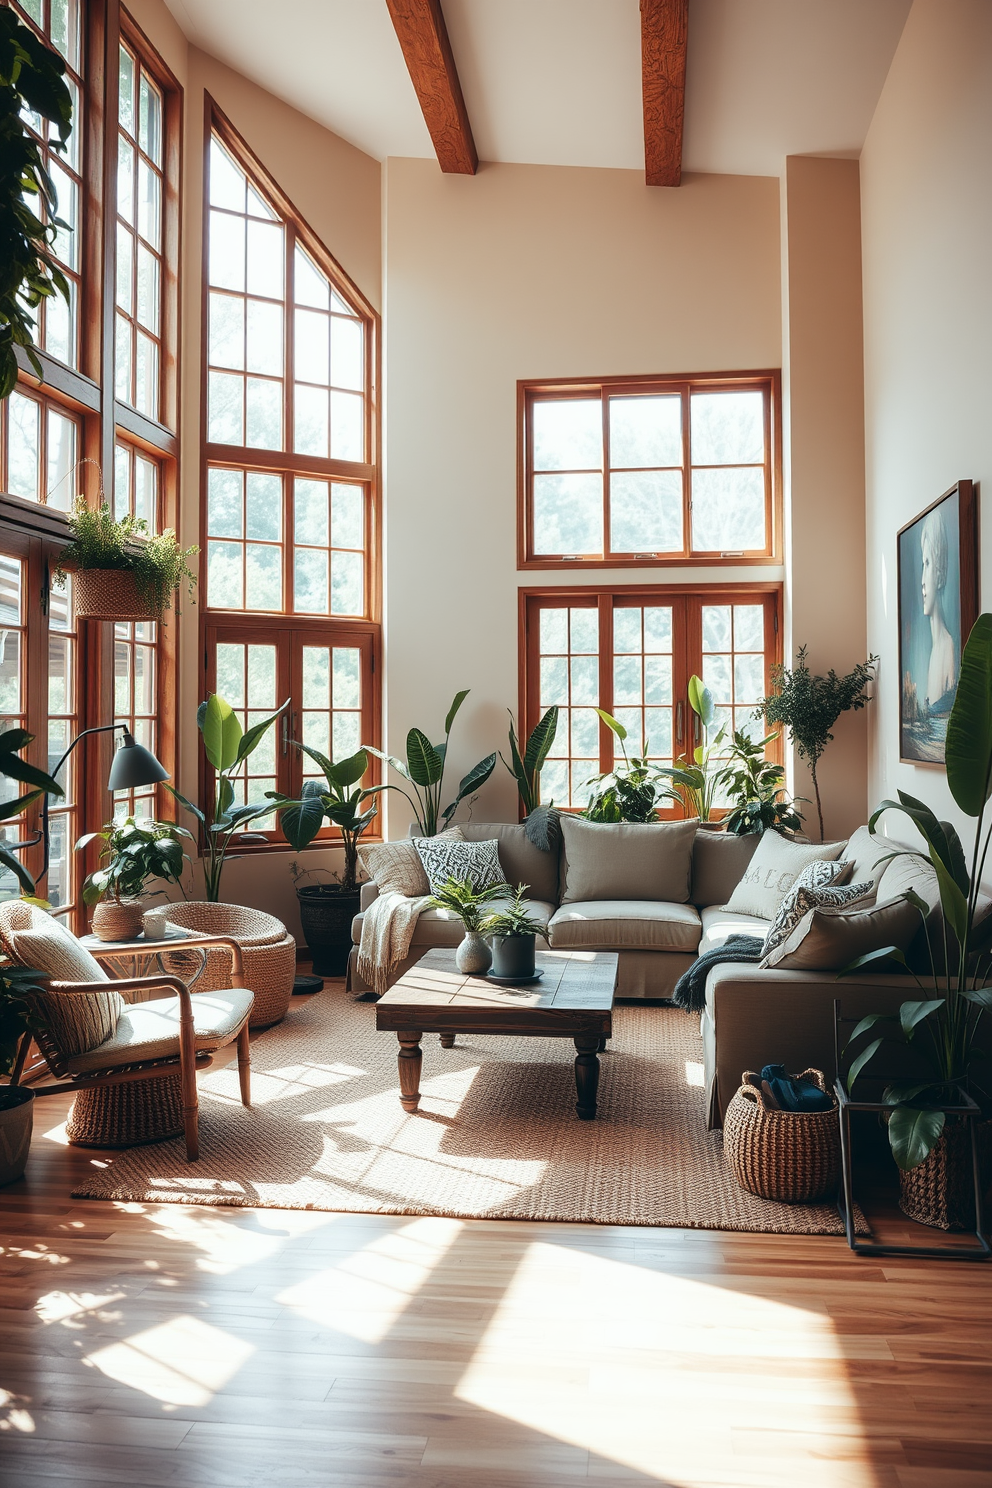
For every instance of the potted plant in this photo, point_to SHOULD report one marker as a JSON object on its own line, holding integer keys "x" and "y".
{"x": 32, "y": 79}
{"x": 755, "y": 790}
{"x": 121, "y": 571}
{"x": 227, "y": 747}
{"x": 928, "y": 1152}
{"x": 697, "y": 780}
{"x": 17, "y": 1103}
{"x": 512, "y": 931}
{"x": 424, "y": 772}
{"x": 630, "y": 794}
{"x": 460, "y": 897}
{"x": 327, "y": 910}
{"x": 136, "y": 850}
{"x": 810, "y": 705}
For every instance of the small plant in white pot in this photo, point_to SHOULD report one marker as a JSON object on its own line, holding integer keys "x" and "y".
{"x": 460, "y": 897}
{"x": 513, "y": 930}
{"x": 136, "y": 851}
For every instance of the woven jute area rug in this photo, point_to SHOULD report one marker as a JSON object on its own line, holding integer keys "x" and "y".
{"x": 496, "y": 1135}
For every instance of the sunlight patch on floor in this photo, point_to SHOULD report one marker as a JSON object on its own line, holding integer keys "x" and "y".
{"x": 279, "y": 1084}
{"x": 62, "y": 1307}
{"x": 57, "y": 1134}
{"x": 182, "y": 1362}
{"x": 227, "y": 1240}
{"x": 694, "y": 1073}
{"x": 567, "y": 1307}
{"x": 366, "y": 1292}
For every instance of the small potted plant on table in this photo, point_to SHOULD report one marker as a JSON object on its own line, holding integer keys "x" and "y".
{"x": 460, "y": 897}
{"x": 512, "y": 931}
{"x": 136, "y": 851}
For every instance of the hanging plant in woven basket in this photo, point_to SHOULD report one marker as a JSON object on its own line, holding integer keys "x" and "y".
{"x": 120, "y": 572}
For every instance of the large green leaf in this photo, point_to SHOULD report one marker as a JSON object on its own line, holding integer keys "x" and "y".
{"x": 221, "y": 732}
{"x": 980, "y": 996}
{"x": 349, "y": 771}
{"x": 701, "y": 701}
{"x": 612, "y": 723}
{"x": 20, "y": 803}
{"x": 15, "y": 768}
{"x": 252, "y": 737}
{"x": 968, "y": 748}
{"x": 388, "y": 759}
{"x": 477, "y": 776}
{"x": 913, "y": 1134}
{"x": 459, "y": 698}
{"x": 858, "y": 1064}
{"x": 302, "y": 821}
{"x": 884, "y": 953}
{"x": 17, "y": 868}
{"x": 912, "y": 1013}
{"x": 541, "y": 741}
{"x": 184, "y": 802}
{"x": 424, "y": 762}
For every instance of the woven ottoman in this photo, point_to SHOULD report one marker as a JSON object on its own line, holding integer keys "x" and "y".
{"x": 269, "y": 954}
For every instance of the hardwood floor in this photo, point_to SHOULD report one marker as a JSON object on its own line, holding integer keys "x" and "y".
{"x": 176, "y": 1347}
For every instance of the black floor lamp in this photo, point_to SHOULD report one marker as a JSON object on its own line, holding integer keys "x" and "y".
{"x": 133, "y": 767}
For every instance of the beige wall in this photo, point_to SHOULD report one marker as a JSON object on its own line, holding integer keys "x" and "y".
{"x": 530, "y": 271}
{"x": 927, "y": 216}
{"x": 824, "y": 421}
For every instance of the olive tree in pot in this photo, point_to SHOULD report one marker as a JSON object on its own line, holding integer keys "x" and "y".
{"x": 16, "y": 1017}
{"x": 327, "y": 910}
{"x": 512, "y": 931}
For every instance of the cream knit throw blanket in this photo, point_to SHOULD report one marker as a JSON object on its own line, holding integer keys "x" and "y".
{"x": 387, "y": 931}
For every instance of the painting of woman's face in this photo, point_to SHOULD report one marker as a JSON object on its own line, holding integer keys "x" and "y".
{"x": 929, "y": 629}
{"x": 930, "y": 586}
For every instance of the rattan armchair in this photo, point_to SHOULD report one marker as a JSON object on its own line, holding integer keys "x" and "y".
{"x": 138, "y": 1082}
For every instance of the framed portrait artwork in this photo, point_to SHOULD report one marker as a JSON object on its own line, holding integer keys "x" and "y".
{"x": 938, "y": 605}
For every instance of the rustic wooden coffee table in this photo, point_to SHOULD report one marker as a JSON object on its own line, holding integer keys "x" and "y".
{"x": 574, "y": 999}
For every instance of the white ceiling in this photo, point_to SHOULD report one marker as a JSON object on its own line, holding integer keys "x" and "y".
{"x": 557, "y": 82}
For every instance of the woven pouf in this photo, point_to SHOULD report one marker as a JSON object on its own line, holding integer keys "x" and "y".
{"x": 127, "y": 1115}
{"x": 268, "y": 949}
{"x": 790, "y": 1156}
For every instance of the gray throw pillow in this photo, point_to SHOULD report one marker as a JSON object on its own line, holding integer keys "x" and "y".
{"x": 626, "y": 860}
{"x": 773, "y": 870}
{"x": 830, "y": 939}
{"x": 442, "y": 860}
{"x": 817, "y": 887}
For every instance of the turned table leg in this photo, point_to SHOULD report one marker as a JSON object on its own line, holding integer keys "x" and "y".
{"x": 447, "y": 1040}
{"x": 410, "y": 1060}
{"x": 586, "y": 1076}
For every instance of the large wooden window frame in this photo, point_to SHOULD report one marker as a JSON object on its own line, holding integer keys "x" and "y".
{"x": 530, "y": 391}
{"x": 287, "y": 628}
{"x": 35, "y": 531}
{"x": 687, "y": 601}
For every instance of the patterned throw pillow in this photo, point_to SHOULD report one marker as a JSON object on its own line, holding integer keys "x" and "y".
{"x": 442, "y": 860}
{"x": 76, "y": 1021}
{"x": 817, "y": 887}
{"x": 396, "y": 866}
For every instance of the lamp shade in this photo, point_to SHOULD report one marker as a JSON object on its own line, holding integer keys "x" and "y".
{"x": 134, "y": 766}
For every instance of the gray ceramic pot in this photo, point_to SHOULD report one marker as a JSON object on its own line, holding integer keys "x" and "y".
{"x": 16, "y": 1110}
{"x": 513, "y": 955}
{"x": 473, "y": 956}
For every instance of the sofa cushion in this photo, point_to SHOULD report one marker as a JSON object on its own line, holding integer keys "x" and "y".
{"x": 719, "y": 862}
{"x": 830, "y": 939}
{"x": 396, "y": 866}
{"x": 773, "y": 870}
{"x": 863, "y": 852}
{"x": 150, "y": 1030}
{"x": 626, "y": 860}
{"x": 720, "y": 923}
{"x": 521, "y": 861}
{"x": 439, "y": 927}
{"x": 821, "y": 883}
{"x": 475, "y": 861}
{"x": 76, "y": 1021}
{"x": 624, "y": 924}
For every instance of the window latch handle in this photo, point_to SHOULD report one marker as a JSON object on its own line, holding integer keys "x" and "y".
{"x": 678, "y": 723}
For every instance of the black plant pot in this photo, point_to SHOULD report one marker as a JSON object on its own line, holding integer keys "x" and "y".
{"x": 513, "y": 955}
{"x": 326, "y": 913}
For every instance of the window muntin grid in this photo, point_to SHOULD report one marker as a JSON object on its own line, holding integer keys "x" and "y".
{"x": 568, "y": 660}
{"x": 140, "y": 236}
{"x": 247, "y": 675}
{"x": 13, "y": 693}
{"x": 63, "y": 726}
{"x": 136, "y": 643}
{"x": 40, "y": 446}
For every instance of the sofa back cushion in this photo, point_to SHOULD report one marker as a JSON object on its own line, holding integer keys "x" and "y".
{"x": 626, "y": 860}
{"x": 773, "y": 870}
{"x": 863, "y": 852}
{"x": 830, "y": 939}
{"x": 76, "y": 1021}
{"x": 520, "y": 860}
{"x": 719, "y": 862}
{"x": 396, "y": 866}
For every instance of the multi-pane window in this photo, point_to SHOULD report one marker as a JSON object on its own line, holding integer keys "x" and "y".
{"x": 13, "y": 692}
{"x": 136, "y": 643}
{"x": 140, "y": 236}
{"x": 632, "y": 653}
{"x": 288, "y": 516}
{"x": 649, "y": 471}
{"x": 58, "y": 323}
{"x": 63, "y": 725}
{"x": 40, "y": 451}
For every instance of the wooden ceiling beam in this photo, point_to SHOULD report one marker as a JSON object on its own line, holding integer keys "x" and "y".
{"x": 664, "y": 30}
{"x": 423, "y": 36}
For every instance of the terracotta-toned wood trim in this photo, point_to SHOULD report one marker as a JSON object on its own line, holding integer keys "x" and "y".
{"x": 423, "y": 38}
{"x": 145, "y": 431}
{"x": 33, "y": 517}
{"x": 664, "y": 34}
{"x": 80, "y": 391}
{"x": 243, "y": 457}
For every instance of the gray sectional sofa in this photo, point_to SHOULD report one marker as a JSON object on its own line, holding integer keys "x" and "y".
{"x": 752, "y": 1016}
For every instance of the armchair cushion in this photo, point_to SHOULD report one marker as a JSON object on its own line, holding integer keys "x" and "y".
{"x": 75, "y": 1022}
{"x": 150, "y": 1030}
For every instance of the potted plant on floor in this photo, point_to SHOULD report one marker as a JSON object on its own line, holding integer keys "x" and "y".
{"x": 930, "y": 1152}
{"x": 697, "y": 780}
{"x": 121, "y": 572}
{"x": 627, "y": 793}
{"x": 424, "y": 773}
{"x": 754, "y": 787}
{"x": 460, "y": 897}
{"x": 512, "y": 931}
{"x": 327, "y": 910}
{"x": 135, "y": 851}
{"x": 16, "y": 1103}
